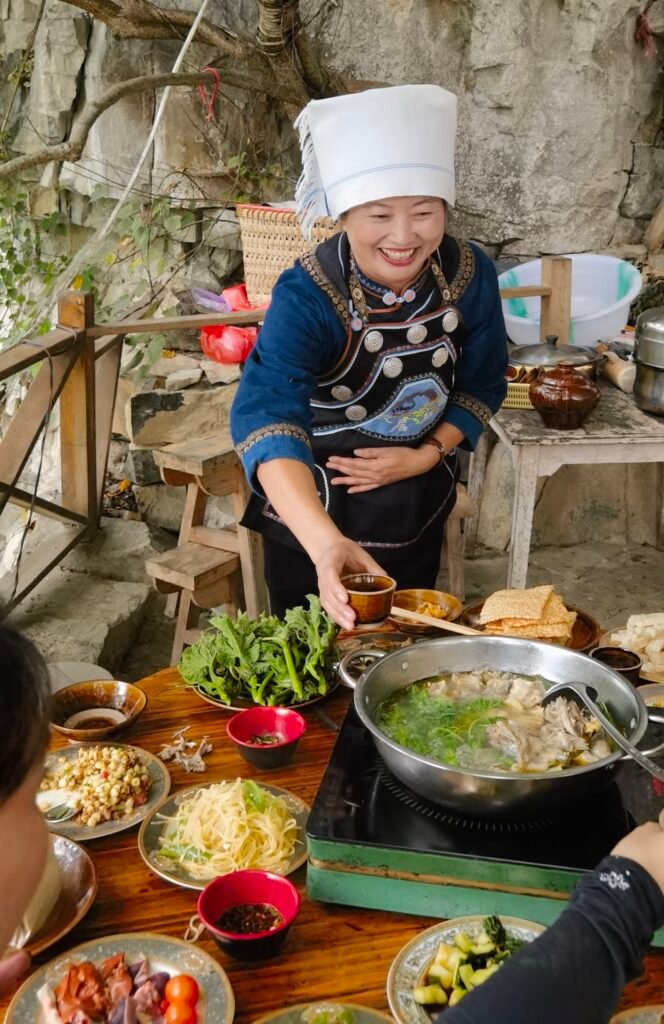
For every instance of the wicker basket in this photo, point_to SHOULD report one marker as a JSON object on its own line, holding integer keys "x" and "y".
{"x": 517, "y": 397}
{"x": 271, "y": 242}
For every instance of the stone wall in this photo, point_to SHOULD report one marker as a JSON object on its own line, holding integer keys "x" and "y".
{"x": 560, "y": 143}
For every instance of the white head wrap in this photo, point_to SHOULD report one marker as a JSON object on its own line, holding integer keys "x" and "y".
{"x": 375, "y": 145}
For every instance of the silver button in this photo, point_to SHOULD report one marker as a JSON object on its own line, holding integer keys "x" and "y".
{"x": 356, "y": 413}
{"x": 416, "y": 334}
{"x": 450, "y": 321}
{"x": 440, "y": 356}
{"x": 341, "y": 393}
{"x": 392, "y": 367}
{"x": 373, "y": 341}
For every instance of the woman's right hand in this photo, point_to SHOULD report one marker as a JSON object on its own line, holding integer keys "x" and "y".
{"x": 645, "y": 845}
{"x": 338, "y": 558}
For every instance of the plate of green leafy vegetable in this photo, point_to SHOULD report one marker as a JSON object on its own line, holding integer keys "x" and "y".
{"x": 240, "y": 662}
{"x": 441, "y": 965}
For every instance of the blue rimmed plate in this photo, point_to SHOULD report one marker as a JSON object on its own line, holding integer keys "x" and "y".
{"x": 409, "y": 966}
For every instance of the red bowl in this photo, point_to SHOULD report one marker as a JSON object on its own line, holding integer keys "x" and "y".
{"x": 285, "y": 723}
{"x": 241, "y": 887}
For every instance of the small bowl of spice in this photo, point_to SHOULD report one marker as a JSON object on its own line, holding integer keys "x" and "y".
{"x": 267, "y": 737}
{"x": 249, "y": 913}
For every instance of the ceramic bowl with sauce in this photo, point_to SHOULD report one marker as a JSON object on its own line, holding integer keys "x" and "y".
{"x": 267, "y": 737}
{"x": 627, "y": 663}
{"x": 260, "y": 904}
{"x": 370, "y": 596}
{"x": 95, "y": 710}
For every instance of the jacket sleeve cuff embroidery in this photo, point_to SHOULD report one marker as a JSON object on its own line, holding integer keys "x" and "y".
{"x": 272, "y": 431}
{"x": 474, "y": 406}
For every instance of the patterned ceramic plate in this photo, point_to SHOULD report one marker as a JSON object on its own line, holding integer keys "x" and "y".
{"x": 641, "y": 1015}
{"x": 160, "y": 784}
{"x": 293, "y": 1014}
{"x": 155, "y": 825}
{"x": 409, "y": 965}
{"x": 216, "y": 1003}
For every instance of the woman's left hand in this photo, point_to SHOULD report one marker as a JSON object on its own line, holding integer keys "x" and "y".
{"x": 376, "y": 467}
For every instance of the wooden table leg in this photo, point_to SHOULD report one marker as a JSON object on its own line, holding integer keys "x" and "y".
{"x": 525, "y": 488}
{"x": 478, "y": 464}
{"x": 250, "y": 551}
{"x": 193, "y": 514}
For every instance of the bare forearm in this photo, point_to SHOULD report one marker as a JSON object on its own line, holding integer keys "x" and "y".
{"x": 291, "y": 490}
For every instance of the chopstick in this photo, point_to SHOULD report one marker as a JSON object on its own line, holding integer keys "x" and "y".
{"x": 430, "y": 620}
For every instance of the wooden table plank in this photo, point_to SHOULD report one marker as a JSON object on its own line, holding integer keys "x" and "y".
{"x": 332, "y": 952}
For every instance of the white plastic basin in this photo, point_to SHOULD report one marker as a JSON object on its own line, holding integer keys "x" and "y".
{"x": 603, "y": 289}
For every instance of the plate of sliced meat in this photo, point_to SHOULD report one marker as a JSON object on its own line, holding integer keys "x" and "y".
{"x": 122, "y": 979}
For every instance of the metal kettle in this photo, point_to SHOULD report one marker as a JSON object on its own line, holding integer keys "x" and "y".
{"x": 649, "y": 359}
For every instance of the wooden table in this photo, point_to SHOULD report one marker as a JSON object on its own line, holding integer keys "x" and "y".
{"x": 616, "y": 432}
{"x": 332, "y": 951}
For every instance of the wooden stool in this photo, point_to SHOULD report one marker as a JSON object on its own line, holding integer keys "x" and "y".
{"x": 199, "y": 577}
{"x": 463, "y": 509}
{"x": 209, "y": 566}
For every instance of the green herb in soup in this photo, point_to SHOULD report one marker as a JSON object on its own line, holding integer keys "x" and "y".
{"x": 492, "y": 721}
{"x": 432, "y": 725}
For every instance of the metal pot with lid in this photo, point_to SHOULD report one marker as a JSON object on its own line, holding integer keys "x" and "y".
{"x": 551, "y": 353}
{"x": 649, "y": 359}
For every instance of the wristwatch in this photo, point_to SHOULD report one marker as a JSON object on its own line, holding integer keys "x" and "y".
{"x": 438, "y": 445}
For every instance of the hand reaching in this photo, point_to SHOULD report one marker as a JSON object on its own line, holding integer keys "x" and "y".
{"x": 645, "y": 845}
{"x": 341, "y": 557}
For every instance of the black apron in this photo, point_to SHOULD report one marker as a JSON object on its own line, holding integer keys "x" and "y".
{"x": 390, "y": 387}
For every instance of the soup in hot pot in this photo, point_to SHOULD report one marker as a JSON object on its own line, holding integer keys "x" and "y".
{"x": 487, "y": 720}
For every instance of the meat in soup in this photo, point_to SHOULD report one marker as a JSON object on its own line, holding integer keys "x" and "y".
{"x": 487, "y": 720}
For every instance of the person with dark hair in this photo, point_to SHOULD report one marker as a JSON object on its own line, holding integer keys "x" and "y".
{"x": 24, "y": 714}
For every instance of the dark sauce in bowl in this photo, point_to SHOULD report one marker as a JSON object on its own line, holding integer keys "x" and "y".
{"x": 249, "y": 919}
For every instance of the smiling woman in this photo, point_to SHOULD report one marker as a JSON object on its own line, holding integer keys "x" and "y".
{"x": 383, "y": 350}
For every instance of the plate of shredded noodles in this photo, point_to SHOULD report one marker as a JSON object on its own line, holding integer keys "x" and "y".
{"x": 212, "y": 829}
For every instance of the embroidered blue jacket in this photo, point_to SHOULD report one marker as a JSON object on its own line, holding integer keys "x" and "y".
{"x": 303, "y": 337}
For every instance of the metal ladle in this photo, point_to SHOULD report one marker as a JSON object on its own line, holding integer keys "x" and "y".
{"x": 586, "y": 695}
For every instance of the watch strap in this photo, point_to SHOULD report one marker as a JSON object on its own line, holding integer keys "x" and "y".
{"x": 438, "y": 445}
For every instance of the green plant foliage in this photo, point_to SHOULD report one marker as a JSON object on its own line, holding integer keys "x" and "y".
{"x": 28, "y": 262}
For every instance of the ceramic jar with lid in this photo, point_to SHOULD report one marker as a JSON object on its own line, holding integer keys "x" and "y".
{"x": 649, "y": 359}
{"x": 564, "y": 397}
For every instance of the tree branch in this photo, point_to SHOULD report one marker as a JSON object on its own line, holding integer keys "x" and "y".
{"x": 140, "y": 19}
{"x": 73, "y": 148}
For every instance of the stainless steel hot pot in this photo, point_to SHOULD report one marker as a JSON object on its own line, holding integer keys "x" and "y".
{"x": 491, "y": 793}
